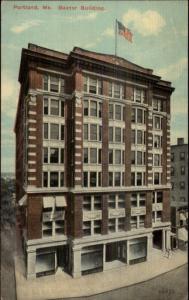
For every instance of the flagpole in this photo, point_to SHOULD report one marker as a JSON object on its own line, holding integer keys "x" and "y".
{"x": 116, "y": 37}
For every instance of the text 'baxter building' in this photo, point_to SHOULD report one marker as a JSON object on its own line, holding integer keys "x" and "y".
{"x": 92, "y": 161}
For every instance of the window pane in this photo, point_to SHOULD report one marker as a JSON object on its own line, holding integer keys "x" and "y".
{"x": 62, "y": 179}
{"x": 133, "y": 157}
{"x": 110, "y": 176}
{"x": 117, "y": 179}
{"x": 61, "y": 85}
{"x": 99, "y": 87}
{"x": 110, "y": 89}
{"x": 139, "y": 136}
{"x": 139, "y": 158}
{"x": 53, "y": 179}
{"x": 62, "y": 132}
{"x": 100, "y": 110}
{"x": 85, "y": 179}
{"x": 99, "y": 156}
{"x": 86, "y": 108}
{"x": 111, "y": 156}
{"x": 117, "y": 156}
{"x": 45, "y": 155}
{"x": 87, "y": 203}
{"x": 111, "y": 111}
{"x": 93, "y": 155}
{"x": 54, "y": 84}
{"x": 93, "y": 108}
{"x": 133, "y": 115}
{"x": 118, "y": 112}
{"x": 139, "y": 178}
{"x": 45, "y": 82}
{"x": 54, "y": 107}
{"x": 85, "y": 155}
{"x": 45, "y": 179}
{"x": 62, "y": 109}
{"x": 100, "y": 133}
{"x": 117, "y": 90}
{"x": 133, "y": 136}
{"x": 93, "y": 85}
{"x": 54, "y": 131}
{"x": 93, "y": 132}
{"x": 62, "y": 156}
{"x": 93, "y": 179}
{"x": 118, "y": 134}
{"x": 139, "y": 115}
{"x": 157, "y": 123}
{"x": 97, "y": 202}
{"x": 45, "y": 131}
{"x": 133, "y": 178}
{"x": 54, "y": 155}
{"x": 85, "y": 131}
{"x": 110, "y": 134}
{"x": 45, "y": 106}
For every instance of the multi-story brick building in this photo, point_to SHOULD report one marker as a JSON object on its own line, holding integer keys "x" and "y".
{"x": 92, "y": 161}
{"x": 179, "y": 192}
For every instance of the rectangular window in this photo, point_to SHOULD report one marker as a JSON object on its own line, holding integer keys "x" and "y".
{"x": 45, "y": 179}
{"x": 133, "y": 115}
{"x": 110, "y": 134}
{"x": 87, "y": 203}
{"x": 45, "y": 131}
{"x": 45, "y": 106}
{"x": 133, "y": 157}
{"x": 123, "y": 135}
{"x": 54, "y": 131}
{"x": 172, "y": 156}
{"x": 139, "y": 178}
{"x": 85, "y": 131}
{"x": 93, "y": 109}
{"x": 61, "y": 179}
{"x": 100, "y": 133}
{"x": 85, "y": 155}
{"x": 157, "y": 141}
{"x": 86, "y": 228}
{"x": 139, "y": 115}
{"x": 100, "y": 110}
{"x": 182, "y": 155}
{"x": 99, "y": 156}
{"x": 97, "y": 202}
{"x": 111, "y": 111}
{"x": 117, "y": 91}
{"x": 53, "y": 179}
{"x": 118, "y": 112}
{"x": 139, "y": 95}
{"x": 132, "y": 178}
{"x": 99, "y": 86}
{"x": 123, "y": 157}
{"x": 93, "y": 85}
{"x": 54, "y": 108}
{"x": 54, "y": 155}
{"x": 62, "y": 132}
{"x": 45, "y": 155}
{"x": 110, "y": 85}
{"x": 117, "y": 134}
{"x": 111, "y": 225}
{"x": 139, "y": 158}
{"x": 45, "y": 82}
{"x": 61, "y": 85}
{"x": 156, "y": 160}
{"x": 62, "y": 156}
{"x": 93, "y": 155}
{"x": 118, "y": 157}
{"x": 141, "y": 221}
{"x": 156, "y": 178}
{"x": 182, "y": 185}
{"x": 139, "y": 136}
{"x": 182, "y": 170}
{"x": 85, "y": 179}
{"x": 110, "y": 156}
{"x": 93, "y": 132}
{"x": 117, "y": 179}
{"x": 54, "y": 84}
{"x": 132, "y": 136}
{"x": 157, "y": 122}
{"x": 86, "y": 108}
{"x": 112, "y": 201}
{"x": 121, "y": 200}
{"x": 85, "y": 83}
{"x": 97, "y": 226}
{"x": 134, "y": 222}
{"x": 110, "y": 178}
{"x": 159, "y": 197}
{"x": 62, "y": 109}
{"x": 121, "y": 224}
{"x": 93, "y": 179}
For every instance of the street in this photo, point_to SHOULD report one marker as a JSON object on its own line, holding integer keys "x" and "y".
{"x": 170, "y": 286}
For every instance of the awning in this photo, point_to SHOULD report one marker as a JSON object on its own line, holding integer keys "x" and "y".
{"x": 183, "y": 234}
{"x": 22, "y": 201}
{"x": 48, "y": 202}
{"x": 61, "y": 201}
{"x": 182, "y": 217}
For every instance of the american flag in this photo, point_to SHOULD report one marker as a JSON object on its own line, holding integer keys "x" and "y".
{"x": 125, "y": 32}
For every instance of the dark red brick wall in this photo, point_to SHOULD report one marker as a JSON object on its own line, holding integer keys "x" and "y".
{"x": 105, "y": 137}
{"x": 34, "y": 217}
{"x": 128, "y": 211}
{"x": 104, "y": 213}
{"x": 127, "y": 144}
{"x": 148, "y": 217}
{"x": 166, "y": 206}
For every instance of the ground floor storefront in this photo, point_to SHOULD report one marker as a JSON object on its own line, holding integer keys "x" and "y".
{"x": 85, "y": 256}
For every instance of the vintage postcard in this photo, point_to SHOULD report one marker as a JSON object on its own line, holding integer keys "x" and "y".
{"x": 94, "y": 150}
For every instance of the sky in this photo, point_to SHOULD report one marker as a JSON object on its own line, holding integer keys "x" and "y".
{"x": 160, "y": 37}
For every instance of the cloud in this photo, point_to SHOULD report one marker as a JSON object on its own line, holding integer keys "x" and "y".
{"x": 147, "y": 23}
{"x": 88, "y": 17}
{"x": 175, "y": 70}
{"x": 108, "y": 32}
{"x": 25, "y": 25}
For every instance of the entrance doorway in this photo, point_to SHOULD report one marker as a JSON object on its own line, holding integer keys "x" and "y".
{"x": 62, "y": 257}
{"x": 116, "y": 251}
{"x": 157, "y": 239}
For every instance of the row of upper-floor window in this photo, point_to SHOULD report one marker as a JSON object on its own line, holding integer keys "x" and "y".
{"x": 94, "y": 85}
{"x": 181, "y": 185}
{"x": 182, "y": 156}
{"x": 53, "y": 131}
{"x": 53, "y": 155}
{"x": 177, "y": 171}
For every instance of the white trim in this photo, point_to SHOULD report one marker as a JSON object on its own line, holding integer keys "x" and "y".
{"x": 78, "y": 146}
{"x": 54, "y": 72}
{"x": 32, "y": 146}
{"x": 31, "y": 178}
{"x": 78, "y": 138}
{"x": 77, "y": 178}
{"x": 32, "y": 129}
{"x": 31, "y": 153}
{"x": 78, "y": 114}
{"x": 30, "y": 137}
{"x": 31, "y": 170}
{"x": 32, "y": 121}
{"x": 32, "y": 112}
{"x": 32, "y": 162}
{"x": 78, "y": 130}
{"x": 78, "y": 123}
{"x": 78, "y": 154}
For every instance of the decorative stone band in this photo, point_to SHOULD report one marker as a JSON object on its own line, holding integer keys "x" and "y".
{"x": 92, "y": 215}
{"x": 135, "y": 211}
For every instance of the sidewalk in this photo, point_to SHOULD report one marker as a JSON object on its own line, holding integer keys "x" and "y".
{"x": 63, "y": 285}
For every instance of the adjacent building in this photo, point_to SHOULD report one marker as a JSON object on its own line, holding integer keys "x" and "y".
{"x": 92, "y": 161}
{"x": 179, "y": 192}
